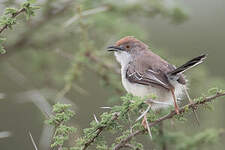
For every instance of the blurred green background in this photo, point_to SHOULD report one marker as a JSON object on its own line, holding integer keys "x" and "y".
{"x": 60, "y": 55}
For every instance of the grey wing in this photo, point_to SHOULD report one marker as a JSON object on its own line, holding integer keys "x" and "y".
{"x": 148, "y": 77}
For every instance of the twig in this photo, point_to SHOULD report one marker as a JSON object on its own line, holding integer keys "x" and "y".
{"x": 13, "y": 16}
{"x": 168, "y": 116}
{"x": 99, "y": 131}
{"x": 96, "y": 118}
{"x": 34, "y": 27}
{"x": 126, "y": 140}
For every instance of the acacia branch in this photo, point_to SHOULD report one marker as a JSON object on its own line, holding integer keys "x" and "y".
{"x": 182, "y": 110}
{"x": 33, "y": 28}
{"x": 13, "y": 16}
{"x": 99, "y": 131}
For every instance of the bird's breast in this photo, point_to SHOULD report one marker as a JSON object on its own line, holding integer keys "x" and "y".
{"x": 135, "y": 88}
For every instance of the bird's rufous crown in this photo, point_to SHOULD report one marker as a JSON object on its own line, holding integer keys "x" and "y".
{"x": 126, "y": 40}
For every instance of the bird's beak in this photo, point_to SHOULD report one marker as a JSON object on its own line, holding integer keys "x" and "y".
{"x": 114, "y": 48}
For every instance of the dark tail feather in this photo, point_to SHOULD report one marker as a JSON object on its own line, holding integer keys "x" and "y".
{"x": 188, "y": 65}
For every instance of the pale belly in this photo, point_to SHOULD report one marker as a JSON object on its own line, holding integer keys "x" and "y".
{"x": 164, "y": 96}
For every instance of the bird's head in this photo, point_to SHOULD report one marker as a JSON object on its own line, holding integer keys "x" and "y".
{"x": 126, "y": 49}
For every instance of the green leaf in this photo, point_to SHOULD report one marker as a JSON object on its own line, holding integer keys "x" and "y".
{"x": 2, "y": 50}
{"x": 213, "y": 90}
{"x": 59, "y": 120}
{"x": 2, "y": 40}
{"x": 29, "y": 9}
{"x": 31, "y": 1}
{"x": 9, "y": 11}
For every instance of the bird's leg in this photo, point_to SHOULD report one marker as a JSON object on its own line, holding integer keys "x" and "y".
{"x": 175, "y": 101}
{"x": 191, "y": 102}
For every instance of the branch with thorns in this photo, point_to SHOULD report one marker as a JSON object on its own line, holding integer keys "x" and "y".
{"x": 13, "y": 16}
{"x": 125, "y": 142}
{"x": 172, "y": 114}
{"x": 99, "y": 131}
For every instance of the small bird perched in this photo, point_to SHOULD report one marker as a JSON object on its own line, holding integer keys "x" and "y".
{"x": 145, "y": 73}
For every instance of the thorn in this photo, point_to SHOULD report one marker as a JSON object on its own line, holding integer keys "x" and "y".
{"x": 96, "y": 118}
{"x": 149, "y": 101}
{"x": 32, "y": 140}
{"x": 106, "y": 107}
{"x": 144, "y": 113}
{"x": 196, "y": 117}
{"x": 191, "y": 102}
{"x": 131, "y": 129}
{"x": 146, "y": 126}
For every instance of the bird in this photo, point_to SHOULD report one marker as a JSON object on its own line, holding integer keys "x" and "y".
{"x": 145, "y": 73}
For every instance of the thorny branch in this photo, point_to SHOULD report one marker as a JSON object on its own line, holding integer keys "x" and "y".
{"x": 34, "y": 27}
{"x": 99, "y": 131}
{"x": 13, "y": 16}
{"x": 192, "y": 106}
{"x": 125, "y": 142}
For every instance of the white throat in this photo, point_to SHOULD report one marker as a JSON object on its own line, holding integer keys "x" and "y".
{"x": 123, "y": 58}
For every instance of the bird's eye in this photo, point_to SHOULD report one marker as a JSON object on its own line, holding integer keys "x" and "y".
{"x": 127, "y": 46}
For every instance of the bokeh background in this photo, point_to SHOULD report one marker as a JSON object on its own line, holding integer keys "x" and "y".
{"x": 60, "y": 55}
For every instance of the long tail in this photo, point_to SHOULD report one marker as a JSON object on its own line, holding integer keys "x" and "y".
{"x": 195, "y": 61}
